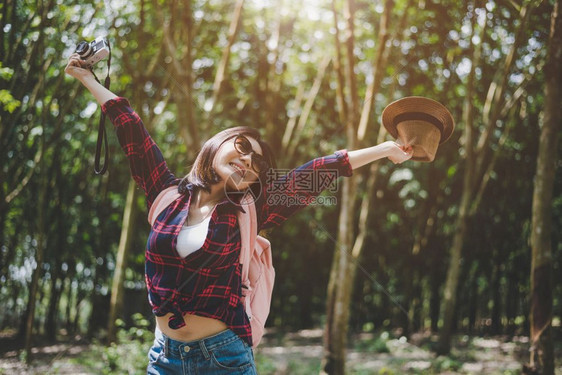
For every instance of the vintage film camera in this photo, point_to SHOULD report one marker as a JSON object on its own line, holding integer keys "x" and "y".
{"x": 94, "y": 51}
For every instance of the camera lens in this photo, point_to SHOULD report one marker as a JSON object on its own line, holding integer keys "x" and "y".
{"x": 83, "y": 49}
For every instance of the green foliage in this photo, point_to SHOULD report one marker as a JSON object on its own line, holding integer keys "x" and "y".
{"x": 6, "y": 73}
{"x": 443, "y": 363}
{"x": 126, "y": 356}
{"x": 377, "y": 344}
{"x": 6, "y": 99}
{"x": 264, "y": 364}
{"x": 300, "y": 368}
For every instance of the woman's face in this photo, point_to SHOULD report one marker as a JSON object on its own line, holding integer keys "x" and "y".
{"x": 234, "y": 167}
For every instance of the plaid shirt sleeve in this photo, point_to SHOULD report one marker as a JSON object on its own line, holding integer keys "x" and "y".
{"x": 284, "y": 193}
{"x": 148, "y": 167}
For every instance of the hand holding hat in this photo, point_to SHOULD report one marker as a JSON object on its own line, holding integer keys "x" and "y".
{"x": 398, "y": 153}
{"x": 419, "y": 122}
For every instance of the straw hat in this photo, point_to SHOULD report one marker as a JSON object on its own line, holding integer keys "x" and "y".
{"x": 420, "y": 122}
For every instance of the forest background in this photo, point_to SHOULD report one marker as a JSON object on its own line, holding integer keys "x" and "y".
{"x": 444, "y": 248}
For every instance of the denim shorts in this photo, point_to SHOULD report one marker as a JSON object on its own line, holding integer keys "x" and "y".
{"x": 223, "y": 353}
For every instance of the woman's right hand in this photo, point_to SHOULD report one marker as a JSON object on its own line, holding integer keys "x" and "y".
{"x": 76, "y": 68}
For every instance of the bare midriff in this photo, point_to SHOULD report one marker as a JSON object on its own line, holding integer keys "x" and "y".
{"x": 196, "y": 327}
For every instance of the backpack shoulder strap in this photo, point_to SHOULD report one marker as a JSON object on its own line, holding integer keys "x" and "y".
{"x": 247, "y": 221}
{"x": 162, "y": 201}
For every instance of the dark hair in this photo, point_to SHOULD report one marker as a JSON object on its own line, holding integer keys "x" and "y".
{"x": 202, "y": 174}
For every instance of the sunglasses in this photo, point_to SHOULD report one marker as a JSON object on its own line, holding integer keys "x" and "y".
{"x": 244, "y": 147}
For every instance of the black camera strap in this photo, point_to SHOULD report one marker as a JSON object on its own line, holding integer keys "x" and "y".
{"x": 102, "y": 133}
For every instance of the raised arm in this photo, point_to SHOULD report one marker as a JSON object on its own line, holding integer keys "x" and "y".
{"x": 148, "y": 167}
{"x": 392, "y": 150}
{"x": 75, "y": 69}
{"x": 282, "y": 196}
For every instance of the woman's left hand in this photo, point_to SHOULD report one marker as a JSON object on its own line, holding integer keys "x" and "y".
{"x": 399, "y": 153}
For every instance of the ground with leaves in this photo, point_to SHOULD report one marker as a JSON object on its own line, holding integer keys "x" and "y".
{"x": 295, "y": 353}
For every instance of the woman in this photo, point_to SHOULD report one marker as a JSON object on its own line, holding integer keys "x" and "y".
{"x": 192, "y": 268}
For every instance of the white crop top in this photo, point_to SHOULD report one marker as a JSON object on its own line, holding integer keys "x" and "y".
{"x": 191, "y": 238}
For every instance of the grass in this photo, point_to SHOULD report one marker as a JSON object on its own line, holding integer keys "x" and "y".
{"x": 127, "y": 356}
{"x": 294, "y": 353}
{"x": 377, "y": 354}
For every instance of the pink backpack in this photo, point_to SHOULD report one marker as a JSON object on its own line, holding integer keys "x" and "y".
{"x": 258, "y": 274}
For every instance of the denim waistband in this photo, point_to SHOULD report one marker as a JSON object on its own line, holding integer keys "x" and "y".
{"x": 180, "y": 349}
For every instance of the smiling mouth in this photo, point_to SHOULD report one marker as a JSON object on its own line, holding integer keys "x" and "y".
{"x": 240, "y": 171}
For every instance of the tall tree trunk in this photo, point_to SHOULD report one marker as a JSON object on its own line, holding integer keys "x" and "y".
{"x": 434, "y": 283}
{"x": 348, "y": 250}
{"x": 59, "y": 241}
{"x": 338, "y": 312}
{"x": 542, "y": 354}
{"x": 473, "y": 298}
{"x": 416, "y": 322}
{"x": 450, "y": 291}
{"x": 511, "y": 301}
{"x": 127, "y": 229}
{"x": 3, "y": 241}
{"x": 51, "y": 322}
{"x": 41, "y": 239}
{"x": 70, "y": 274}
{"x": 97, "y": 323}
{"x": 496, "y": 297}
{"x": 328, "y": 356}
{"x": 475, "y": 174}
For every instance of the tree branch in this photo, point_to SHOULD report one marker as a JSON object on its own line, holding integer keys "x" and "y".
{"x": 221, "y": 71}
{"x": 311, "y": 97}
{"x": 379, "y": 63}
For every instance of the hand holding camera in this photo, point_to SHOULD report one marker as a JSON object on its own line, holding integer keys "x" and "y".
{"x": 80, "y": 66}
{"x": 76, "y": 68}
{"x": 86, "y": 56}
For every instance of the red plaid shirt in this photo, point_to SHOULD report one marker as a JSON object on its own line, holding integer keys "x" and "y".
{"x": 208, "y": 282}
